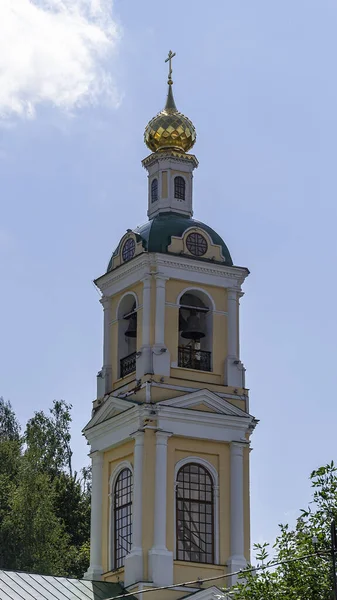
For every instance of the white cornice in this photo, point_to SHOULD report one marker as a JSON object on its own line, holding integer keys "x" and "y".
{"x": 178, "y": 263}
{"x": 172, "y": 266}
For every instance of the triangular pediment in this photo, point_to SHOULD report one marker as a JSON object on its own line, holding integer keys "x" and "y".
{"x": 205, "y": 401}
{"x": 110, "y": 408}
{"x": 210, "y": 593}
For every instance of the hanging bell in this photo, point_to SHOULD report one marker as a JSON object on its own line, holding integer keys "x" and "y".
{"x": 193, "y": 329}
{"x": 182, "y": 322}
{"x": 131, "y": 331}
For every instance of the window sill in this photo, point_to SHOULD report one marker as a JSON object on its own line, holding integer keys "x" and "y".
{"x": 199, "y": 565}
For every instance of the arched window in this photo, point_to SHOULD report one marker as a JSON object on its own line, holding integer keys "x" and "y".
{"x": 195, "y": 514}
{"x": 195, "y": 331}
{"x": 122, "y": 517}
{"x": 179, "y": 188}
{"x": 127, "y": 334}
{"x": 154, "y": 190}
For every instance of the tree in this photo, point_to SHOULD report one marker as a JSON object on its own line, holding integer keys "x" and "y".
{"x": 44, "y": 506}
{"x": 309, "y": 577}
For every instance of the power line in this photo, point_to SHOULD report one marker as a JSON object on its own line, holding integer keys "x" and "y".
{"x": 204, "y": 580}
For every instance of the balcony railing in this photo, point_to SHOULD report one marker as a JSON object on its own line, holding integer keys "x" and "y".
{"x": 189, "y": 358}
{"x": 128, "y": 364}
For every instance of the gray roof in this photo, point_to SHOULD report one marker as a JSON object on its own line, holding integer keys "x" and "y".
{"x": 25, "y": 586}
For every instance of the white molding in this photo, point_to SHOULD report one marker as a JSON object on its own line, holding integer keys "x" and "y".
{"x": 128, "y": 293}
{"x": 210, "y": 593}
{"x": 196, "y": 289}
{"x": 215, "y": 477}
{"x": 179, "y": 421}
{"x": 210, "y": 399}
{"x": 188, "y": 269}
{"x": 113, "y": 404}
{"x": 125, "y": 464}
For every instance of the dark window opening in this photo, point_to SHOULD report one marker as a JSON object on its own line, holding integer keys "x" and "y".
{"x": 179, "y": 188}
{"x": 154, "y": 190}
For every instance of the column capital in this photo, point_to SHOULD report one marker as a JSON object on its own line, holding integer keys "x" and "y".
{"x": 105, "y": 301}
{"x": 146, "y": 280}
{"x": 138, "y": 436}
{"x": 160, "y": 279}
{"x": 96, "y": 457}
{"x": 162, "y": 437}
{"x": 237, "y": 447}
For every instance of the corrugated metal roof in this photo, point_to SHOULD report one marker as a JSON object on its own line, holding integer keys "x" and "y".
{"x": 25, "y": 586}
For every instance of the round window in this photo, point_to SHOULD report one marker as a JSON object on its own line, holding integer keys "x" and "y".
{"x": 196, "y": 244}
{"x": 129, "y": 249}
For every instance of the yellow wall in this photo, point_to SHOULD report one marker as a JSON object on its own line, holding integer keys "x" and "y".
{"x": 215, "y": 453}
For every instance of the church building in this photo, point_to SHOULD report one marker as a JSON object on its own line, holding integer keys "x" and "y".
{"x": 169, "y": 431}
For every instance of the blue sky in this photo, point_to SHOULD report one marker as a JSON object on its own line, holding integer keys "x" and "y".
{"x": 79, "y": 79}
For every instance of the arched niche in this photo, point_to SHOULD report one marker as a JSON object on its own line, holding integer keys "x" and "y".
{"x": 127, "y": 333}
{"x": 195, "y": 341}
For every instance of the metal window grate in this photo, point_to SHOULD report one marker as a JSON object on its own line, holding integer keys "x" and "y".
{"x": 195, "y": 514}
{"x": 129, "y": 249}
{"x": 123, "y": 516}
{"x": 196, "y": 244}
{"x": 154, "y": 190}
{"x": 179, "y": 188}
{"x": 189, "y": 358}
{"x": 128, "y": 364}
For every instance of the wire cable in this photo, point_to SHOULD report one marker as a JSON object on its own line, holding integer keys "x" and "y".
{"x": 216, "y": 578}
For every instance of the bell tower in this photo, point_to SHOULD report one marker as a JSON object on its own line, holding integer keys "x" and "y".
{"x": 170, "y": 428}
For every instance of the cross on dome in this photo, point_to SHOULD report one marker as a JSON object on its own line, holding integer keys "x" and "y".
{"x": 169, "y": 60}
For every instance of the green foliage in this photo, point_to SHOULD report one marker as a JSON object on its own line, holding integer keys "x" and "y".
{"x": 309, "y": 577}
{"x": 44, "y": 506}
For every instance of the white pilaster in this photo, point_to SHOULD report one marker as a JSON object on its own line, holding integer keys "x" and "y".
{"x": 161, "y": 357}
{"x": 95, "y": 569}
{"x": 106, "y": 373}
{"x": 234, "y": 369}
{"x": 134, "y": 560}
{"x": 237, "y": 560}
{"x": 144, "y": 360}
{"x": 160, "y": 559}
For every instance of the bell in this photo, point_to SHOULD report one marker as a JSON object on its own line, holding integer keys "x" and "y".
{"x": 193, "y": 330}
{"x": 131, "y": 331}
{"x": 182, "y": 322}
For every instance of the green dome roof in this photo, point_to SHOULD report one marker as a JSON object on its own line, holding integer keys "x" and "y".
{"x": 156, "y": 234}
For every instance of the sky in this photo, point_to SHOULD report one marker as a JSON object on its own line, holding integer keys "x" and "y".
{"x": 79, "y": 80}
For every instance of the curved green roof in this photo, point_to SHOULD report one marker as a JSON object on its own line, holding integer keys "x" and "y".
{"x": 156, "y": 234}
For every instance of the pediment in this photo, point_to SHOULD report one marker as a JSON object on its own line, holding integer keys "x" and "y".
{"x": 210, "y": 593}
{"x": 205, "y": 401}
{"x": 112, "y": 407}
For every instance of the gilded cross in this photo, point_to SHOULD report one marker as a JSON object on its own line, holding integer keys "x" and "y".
{"x": 169, "y": 60}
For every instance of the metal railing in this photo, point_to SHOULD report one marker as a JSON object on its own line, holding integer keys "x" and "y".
{"x": 128, "y": 364}
{"x": 189, "y": 358}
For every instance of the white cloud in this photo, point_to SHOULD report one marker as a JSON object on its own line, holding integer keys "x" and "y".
{"x": 55, "y": 52}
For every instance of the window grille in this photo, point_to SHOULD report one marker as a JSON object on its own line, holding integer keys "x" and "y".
{"x": 122, "y": 517}
{"x": 196, "y": 244}
{"x": 129, "y": 249}
{"x": 179, "y": 188}
{"x": 195, "y": 514}
{"x": 154, "y": 190}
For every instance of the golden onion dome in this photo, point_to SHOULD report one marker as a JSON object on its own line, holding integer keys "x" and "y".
{"x": 170, "y": 129}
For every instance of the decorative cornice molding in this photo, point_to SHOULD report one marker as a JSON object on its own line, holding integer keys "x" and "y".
{"x": 171, "y": 154}
{"x": 237, "y": 273}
